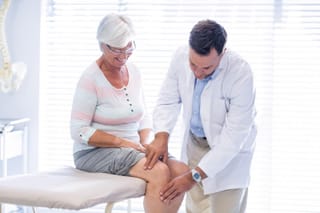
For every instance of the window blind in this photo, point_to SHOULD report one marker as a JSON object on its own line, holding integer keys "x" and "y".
{"x": 279, "y": 38}
{"x": 295, "y": 147}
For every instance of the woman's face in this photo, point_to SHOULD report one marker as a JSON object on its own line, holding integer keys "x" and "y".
{"x": 118, "y": 56}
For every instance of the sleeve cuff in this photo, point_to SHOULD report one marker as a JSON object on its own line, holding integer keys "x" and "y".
{"x": 86, "y": 133}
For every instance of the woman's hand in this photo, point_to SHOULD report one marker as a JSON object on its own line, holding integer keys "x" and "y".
{"x": 103, "y": 139}
{"x": 127, "y": 143}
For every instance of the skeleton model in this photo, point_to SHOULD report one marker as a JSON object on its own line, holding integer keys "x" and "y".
{"x": 11, "y": 75}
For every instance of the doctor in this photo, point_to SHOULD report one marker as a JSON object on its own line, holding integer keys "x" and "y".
{"x": 216, "y": 90}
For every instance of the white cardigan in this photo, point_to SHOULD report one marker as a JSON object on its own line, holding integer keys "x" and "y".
{"x": 227, "y": 114}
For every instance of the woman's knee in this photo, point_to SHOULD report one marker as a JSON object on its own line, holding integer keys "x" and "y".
{"x": 177, "y": 167}
{"x": 160, "y": 172}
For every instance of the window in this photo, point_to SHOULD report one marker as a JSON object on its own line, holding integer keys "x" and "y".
{"x": 279, "y": 38}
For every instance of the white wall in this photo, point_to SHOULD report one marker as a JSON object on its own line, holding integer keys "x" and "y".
{"x": 23, "y": 37}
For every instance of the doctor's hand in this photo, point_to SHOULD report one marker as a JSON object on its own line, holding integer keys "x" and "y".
{"x": 157, "y": 150}
{"x": 176, "y": 187}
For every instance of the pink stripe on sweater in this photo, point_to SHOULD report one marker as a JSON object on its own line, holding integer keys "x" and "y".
{"x": 116, "y": 121}
{"x": 80, "y": 116}
{"x": 87, "y": 84}
{"x": 102, "y": 93}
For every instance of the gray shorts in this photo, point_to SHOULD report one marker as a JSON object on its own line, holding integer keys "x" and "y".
{"x": 116, "y": 161}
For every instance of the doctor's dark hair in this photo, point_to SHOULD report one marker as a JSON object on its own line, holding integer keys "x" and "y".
{"x": 207, "y": 34}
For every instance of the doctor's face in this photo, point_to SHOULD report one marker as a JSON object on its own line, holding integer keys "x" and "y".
{"x": 204, "y": 65}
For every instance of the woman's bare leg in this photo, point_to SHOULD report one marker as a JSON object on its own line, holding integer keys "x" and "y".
{"x": 176, "y": 169}
{"x": 156, "y": 178}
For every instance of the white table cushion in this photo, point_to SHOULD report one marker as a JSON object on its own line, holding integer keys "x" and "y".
{"x": 68, "y": 188}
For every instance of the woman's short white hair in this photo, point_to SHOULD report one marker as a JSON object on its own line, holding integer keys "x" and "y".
{"x": 115, "y": 30}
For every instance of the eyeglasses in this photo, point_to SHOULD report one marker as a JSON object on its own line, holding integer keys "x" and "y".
{"x": 116, "y": 51}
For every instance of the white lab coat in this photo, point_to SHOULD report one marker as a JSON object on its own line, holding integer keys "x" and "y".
{"x": 227, "y": 113}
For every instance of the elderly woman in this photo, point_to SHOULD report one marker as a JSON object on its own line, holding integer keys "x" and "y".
{"x": 109, "y": 122}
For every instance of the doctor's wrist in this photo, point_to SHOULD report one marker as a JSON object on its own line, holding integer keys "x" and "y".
{"x": 201, "y": 172}
{"x": 162, "y": 136}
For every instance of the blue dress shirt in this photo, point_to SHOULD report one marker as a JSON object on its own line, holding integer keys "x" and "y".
{"x": 195, "y": 123}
